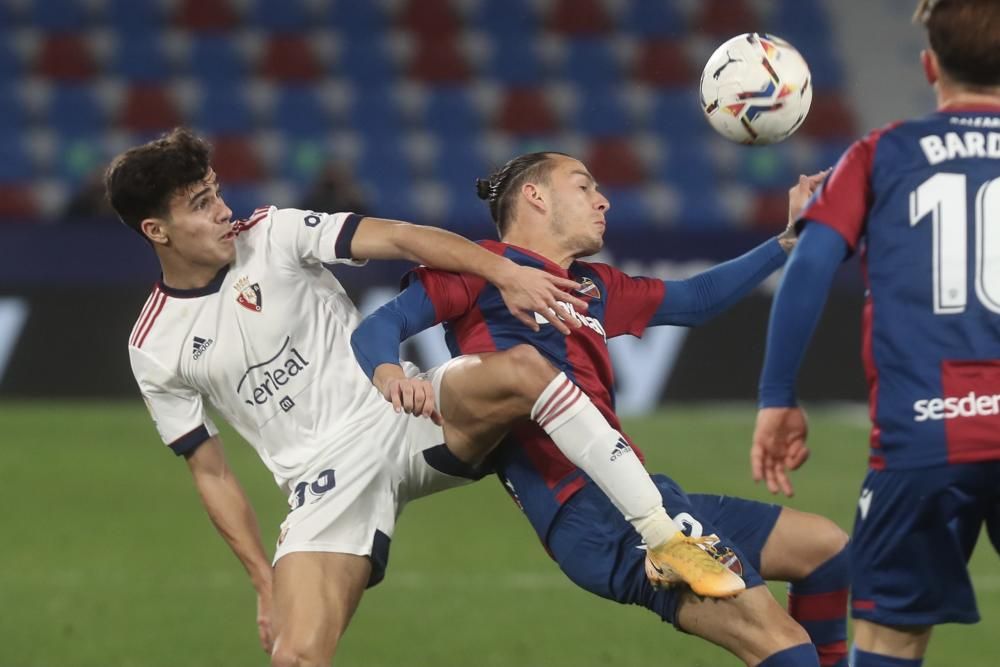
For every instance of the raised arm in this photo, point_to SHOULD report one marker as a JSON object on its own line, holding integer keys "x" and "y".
{"x": 525, "y": 290}
{"x": 779, "y": 440}
{"x": 234, "y": 519}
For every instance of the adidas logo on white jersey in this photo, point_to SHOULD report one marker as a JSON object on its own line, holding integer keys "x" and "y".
{"x": 200, "y": 345}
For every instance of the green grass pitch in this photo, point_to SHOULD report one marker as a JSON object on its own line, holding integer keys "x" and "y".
{"x": 108, "y": 559}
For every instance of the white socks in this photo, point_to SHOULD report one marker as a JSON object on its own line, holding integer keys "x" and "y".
{"x": 584, "y": 436}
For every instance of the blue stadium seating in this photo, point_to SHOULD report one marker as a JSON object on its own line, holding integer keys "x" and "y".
{"x": 652, "y": 18}
{"x": 451, "y": 114}
{"x": 133, "y": 16}
{"x": 224, "y": 109}
{"x": 363, "y": 60}
{"x": 16, "y": 165}
{"x": 75, "y": 110}
{"x": 507, "y": 20}
{"x": 677, "y": 115}
{"x": 600, "y": 113}
{"x": 139, "y": 58}
{"x": 591, "y": 63}
{"x": 356, "y": 18}
{"x": 279, "y": 15}
{"x": 514, "y": 63}
{"x": 215, "y": 59}
{"x": 58, "y": 15}
{"x": 299, "y": 112}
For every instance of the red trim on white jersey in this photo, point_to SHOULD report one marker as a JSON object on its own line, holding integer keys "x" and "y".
{"x": 255, "y": 217}
{"x": 155, "y": 306}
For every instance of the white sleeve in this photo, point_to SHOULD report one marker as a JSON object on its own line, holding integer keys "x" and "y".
{"x": 314, "y": 238}
{"x": 178, "y": 411}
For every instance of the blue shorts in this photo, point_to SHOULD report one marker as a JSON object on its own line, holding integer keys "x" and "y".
{"x": 914, "y": 532}
{"x": 600, "y": 551}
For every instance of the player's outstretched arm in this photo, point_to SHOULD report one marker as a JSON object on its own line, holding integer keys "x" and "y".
{"x": 525, "y": 290}
{"x": 779, "y": 441}
{"x": 234, "y": 519}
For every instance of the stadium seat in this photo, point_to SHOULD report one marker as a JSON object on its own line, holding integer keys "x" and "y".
{"x": 279, "y": 15}
{"x": 17, "y": 202}
{"x": 600, "y": 113}
{"x": 688, "y": 165}
{"x": 224, "y": 108}
{"x": 374, "y": 111}
{"x": 614, "y": 163}
{"x": 429, "y": 19}
{"x": 438, "y": 61}
{"x": 65, "y": 57}
{"x": 149, "y": 109}
{"x": 663, "y": 63}
{"x": 364, "y": 61}
{"x": 129, "y": 15}
{"x": 206, "y": 15}
{"x": 16, "y": 164}
{"x": 677, "y": 114}
{"x": 215, "y": 59}
{"x": 628, "y": 207}
{"x": 78, "y": 157}
{"x": 507, "y": 19}
{"x": 450, "y": 113}
{"x": 591, "y": 62}
{"x": 725, "y": 18}
{"x": 236, "y": 161}
{"x": 300, "y": 112}
{"x": 58, "y": 15}
{"x": 514, "y": 63}
{"x": 75, "y": 109}
{"x": 140, "y": 58}
{"x": 653, "y": 18}
{"x": 830, "y": 117}
{"x": 356, "y": 18}
{"x": 289, "y": 57}
{"x": 10, "y": 61}
{"x": 577, "y": 18}
{"x": 13, "y": 110}
{"x": 526, "y": 111}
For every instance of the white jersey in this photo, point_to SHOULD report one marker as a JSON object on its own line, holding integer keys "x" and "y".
{"x": 267, "y": 342}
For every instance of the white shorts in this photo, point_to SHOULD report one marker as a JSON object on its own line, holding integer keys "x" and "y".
{"x": 348, "y": 501}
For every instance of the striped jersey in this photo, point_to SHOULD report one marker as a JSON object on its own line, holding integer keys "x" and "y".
{"x": 920, "y": 200}
{"x": 536, "y": 474}
{"x": 267, "y": 343}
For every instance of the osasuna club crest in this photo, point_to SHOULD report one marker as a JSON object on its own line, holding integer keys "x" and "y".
{"x": 248, "y": 295}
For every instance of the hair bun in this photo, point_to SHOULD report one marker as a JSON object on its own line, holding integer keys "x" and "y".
{"x": 483, "y": 188}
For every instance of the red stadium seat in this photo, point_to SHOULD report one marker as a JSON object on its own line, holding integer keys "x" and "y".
{"x": 579, "y": 18}
{"x": 65, "y": 57}
{"x": 725, "y": 18}
{"x": 290, "y": 58}
{"x": 526, "y": 111}
{"x": 438, "y": 61}
{"x": 614, "y": 163}
{"x": 830, "y": 117}
{"x": 149, "y": 108}
{"x": 206, "y": 15}
{"x": 429, "y": 19}
{"x": 236, "y": 161}
{"x": 17, "y": 202}
{"x": 663, "y": 63}
{"x": 770, "y": 210}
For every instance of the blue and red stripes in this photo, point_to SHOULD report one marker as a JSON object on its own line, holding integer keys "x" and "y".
{"x": 819, "y": 604}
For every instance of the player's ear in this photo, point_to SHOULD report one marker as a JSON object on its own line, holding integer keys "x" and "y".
{"x": 534, "y": 196}
{"x": 930, "y": 62}
{"x": 155, "y": 230}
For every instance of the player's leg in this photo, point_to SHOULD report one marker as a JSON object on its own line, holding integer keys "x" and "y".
{"x": 596, "y": 549}
{"x": 913, "y": 535}
{"x": 315, "y": 596}
{"x": 480, "y": 397}
{"x": 818, "y": 572}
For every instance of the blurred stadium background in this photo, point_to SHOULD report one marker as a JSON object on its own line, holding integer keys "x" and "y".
{"x": 393, "y": 107}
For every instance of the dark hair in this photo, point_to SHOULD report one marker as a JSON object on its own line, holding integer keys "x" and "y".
{"x": 500, "y": 190}
{"x": 141, "y": 181}
{"x": 965, "y": 35}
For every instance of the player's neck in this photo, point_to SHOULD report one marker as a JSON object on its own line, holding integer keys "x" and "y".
{"x": 545, "y": 246}
{"x": 184, "y": 275}
{"x": 950, "y": 95}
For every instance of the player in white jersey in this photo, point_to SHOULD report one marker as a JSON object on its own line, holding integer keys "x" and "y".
{"x": 247, "y": 316}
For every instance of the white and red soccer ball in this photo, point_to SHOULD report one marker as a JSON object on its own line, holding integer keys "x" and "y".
{"x": 756, "y": 89}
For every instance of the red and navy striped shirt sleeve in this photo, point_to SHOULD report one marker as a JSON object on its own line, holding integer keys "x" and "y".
{"x": 630, "y": 302}
{"x": 452, "y": 294}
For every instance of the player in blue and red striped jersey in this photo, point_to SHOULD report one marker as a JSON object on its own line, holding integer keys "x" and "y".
{"x": 550, "y": 212}
{"x": 920, "y": 200}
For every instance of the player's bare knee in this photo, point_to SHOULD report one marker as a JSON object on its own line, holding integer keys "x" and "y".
{"x": 531, "y": 373}
{"x": 293, "y": 657}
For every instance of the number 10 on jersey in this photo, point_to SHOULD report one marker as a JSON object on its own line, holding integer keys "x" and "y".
{"x": 944, "y": 197}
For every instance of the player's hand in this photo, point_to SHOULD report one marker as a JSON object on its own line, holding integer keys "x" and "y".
{"x": 414, "y": 396}
{"x": 779, "y": 445}
{"x": 264, "y": 629}
{"x": 527, "y": 291}
{"x": 798, "y": 197}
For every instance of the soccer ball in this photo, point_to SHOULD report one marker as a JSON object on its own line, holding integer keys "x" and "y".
{"x": 755, "y": 89}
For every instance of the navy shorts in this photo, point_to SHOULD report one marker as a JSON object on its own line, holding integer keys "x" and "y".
{"x": 600, "y": 551}
{"x": 914, "y": 532}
